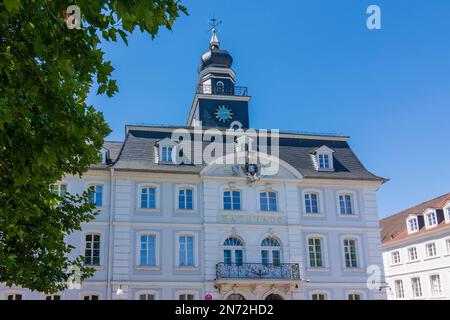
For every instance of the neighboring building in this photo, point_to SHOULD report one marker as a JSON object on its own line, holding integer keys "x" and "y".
{"x": 171, "y": 230}
{"x": 416, "y": 251}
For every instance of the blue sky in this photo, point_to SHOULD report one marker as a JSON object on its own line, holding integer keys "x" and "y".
{"x": 311, "y": 66}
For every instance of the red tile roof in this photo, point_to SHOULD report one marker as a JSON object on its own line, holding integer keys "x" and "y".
{"x": 393, "y": 228}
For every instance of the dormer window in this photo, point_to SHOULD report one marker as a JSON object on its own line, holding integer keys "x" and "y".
{"x": 447, "y": 213}
{"x": 104, "y": 155}
{"x": 167, "y": 151}
{"x": 244, "y": 144}
{"x": 323, "y": 158}
{"x": 219, "y": 87}
{"x": 413, "y": 224}
{"x": 431, "y": 219}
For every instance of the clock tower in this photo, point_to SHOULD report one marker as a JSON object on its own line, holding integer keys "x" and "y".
{"x": 218, "y": 102}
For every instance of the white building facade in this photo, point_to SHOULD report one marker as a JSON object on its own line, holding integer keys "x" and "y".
{"x": 171, "y": 229}
{"x": 416, "y": 251}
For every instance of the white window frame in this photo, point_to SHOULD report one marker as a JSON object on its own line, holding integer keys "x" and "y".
{"x": 440, "y": 294}
{"x": 143, "y": 185}
{"x": 104, "y": 155}
{"x": 355, "y": 292}
{"x": 402, "y": 291}
{"x": 409, "y": 226}
{"x": 447, "y": 213}
{"x": 419, "y": 287}
{"x": 194, "y": 197}
{"x": 325, "y": 293}
{"x": 324, "y": 249}
{"x": 90, "y": 293}
{"x": 57, "y": 187}
{"x": 101, "y": 249}
{"x": 186, "y": 292}
{"x": 409, "y": 250}
{"x": 233, "y": 248}
{"x": 354, "y": 202}
{"x": 167, "y": 143}
{"x": 195, "y": 248}
{"x": 156, "y": 234}
{"x": 231, "y": 189}
{"x": 427, "y": 252}
{"x": 447, "y": 245}
{"x": 144, "y": 291}
{"x": 13, "y": 292}
{"x": 320, "y": 205}
{"x": 324, "y": 151}
{"x": 359, "y": 254}
{"x": 427, "y": 215}
{"x": 277, "y": 200}
{"x": 395, "y": 258}
{"x": 270, "y": 249}
{"x": 104, "y": 191}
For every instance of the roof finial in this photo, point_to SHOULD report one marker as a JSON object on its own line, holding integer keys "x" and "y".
{"x": 214, "y": 43}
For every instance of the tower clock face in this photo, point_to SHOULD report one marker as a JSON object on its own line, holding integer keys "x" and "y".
{"x": 224, "y": 113}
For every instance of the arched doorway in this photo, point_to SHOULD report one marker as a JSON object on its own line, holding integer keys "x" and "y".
{"x": 235, "y": 296}
{"x": 274, "y": 296}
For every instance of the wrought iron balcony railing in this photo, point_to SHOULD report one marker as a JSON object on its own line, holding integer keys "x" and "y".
{"x": 222, "y": 91}
{"x": 264, "y": 271}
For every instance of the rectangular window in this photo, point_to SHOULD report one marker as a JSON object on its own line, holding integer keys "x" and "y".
{"x": 268, "y": 201}
{"x": 186, "y": 296}
{"x": 315, "y": 253}
{"x": 166, "y": 154}
{"x": 435, "y": 282}
{"x": 345, "y": 204}
{"x": 60, "y": 189}
{"x": 413, "y": 225}
{"x": 324, "y": 161}
{"x": 185, "y": 199}
{"x": 265, "y": 257}
{"x": 146, "y": 296}
{"x": 399, "y": 292}
{"x": 448, "y": 214}
{"x": 395, "y": 257}
{"x": 91, "y": 297}
{"x": 311, "y": 203}
{"x": 227, "y": 257}
{"x": 238, "y": 257}
{"x": 431, "y": 250}
{"x": 354, "y": 296}
{"x": 92, "y": 250}
{"x": 319, "y": 296}
{"x": 350, "y": 253}
{"x": 148, "y": 198}
{"x": 148, "y": 250}
{"x": 416, "y": 287}
{"x": 232, "y": 200}
{"x": 276, "y": 257}
{"x": 14, "y": 296}
{"x": 412, "y": 253}
{"x": 96, "y": 195}
{"x": 186, "y": 251}
{"x": 431, "y": 219}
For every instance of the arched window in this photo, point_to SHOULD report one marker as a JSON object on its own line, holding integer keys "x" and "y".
{"x": 233, "y": 251}
{"x": 270, "y": 252}
{"x": 219, "y": 87}
{"x": 274, "y": 296}
{"x": 235, "y": 296}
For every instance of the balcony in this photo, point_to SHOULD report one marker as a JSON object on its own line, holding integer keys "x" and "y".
{"x": 258, "y": 271}
{"x": 221, "y": 91}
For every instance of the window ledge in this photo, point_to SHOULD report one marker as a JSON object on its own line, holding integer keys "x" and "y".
{"x": 314, "y": 215}
{"x": 186, "y": 268}
{"x": 396, "y": 264}
{"x": 413, "y": 261}
{"x": 312, "y": 269}
{"x": 325, "y": 169}
{"x": 153, "y": 268}
{"x": 185, "y": 211}
{"x": 97, "y": 268}
{"x": 269, "y": 212}
{"x": 350, "y": 216}
{"x": 148, "y": 209}
{"x": 354, "y": 270}
{"x": 233, "y": 211}
{"x": 431, "y": 258}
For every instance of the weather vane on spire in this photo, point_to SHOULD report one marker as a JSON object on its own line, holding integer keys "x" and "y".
{"x": 214, "y": 43}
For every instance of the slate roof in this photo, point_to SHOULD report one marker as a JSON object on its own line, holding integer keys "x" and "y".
{"x": 138, "y": 153}
{"x": 394, "y": 228}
